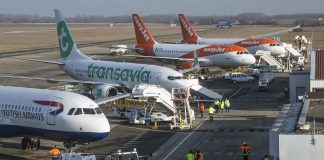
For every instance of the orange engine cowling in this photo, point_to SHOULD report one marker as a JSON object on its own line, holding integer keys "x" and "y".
{"x": 185, "y": 65}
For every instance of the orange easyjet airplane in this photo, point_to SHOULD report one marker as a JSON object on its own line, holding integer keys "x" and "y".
{"x": 223, "y": 56}
{"x": 251, "y": 44}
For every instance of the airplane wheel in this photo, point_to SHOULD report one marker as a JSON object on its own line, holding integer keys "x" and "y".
{"x": 68, "y": 145}
{"x": 38, "y": 144}
{"x": 25, "y": 142}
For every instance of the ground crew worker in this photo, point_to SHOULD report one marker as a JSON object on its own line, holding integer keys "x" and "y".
{"x": 190, "y": 155}
{"x": 266, "y": 157}
{"x": 217, "y": 104}
{"x": 202, "y": 108}
{"x": 211, "y": 111}
{"x": 222, "y": 106}
{"x": 200, "y": 155}
{"x": 55, "y": 153}
{"x": 246, "y": 149}
{"x": 286, "y": 92}
{"x": 227, "y": 105}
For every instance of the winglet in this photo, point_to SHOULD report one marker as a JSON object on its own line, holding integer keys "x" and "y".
{"x": 188, "y": 33}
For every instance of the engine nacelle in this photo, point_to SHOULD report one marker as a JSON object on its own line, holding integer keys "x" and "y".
{"x": 102, "y": 91}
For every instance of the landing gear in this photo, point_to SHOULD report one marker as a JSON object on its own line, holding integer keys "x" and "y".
{"x": 25, "y": 143}
{"x": 68, "y": 145}
{"x": 30, "y": 143}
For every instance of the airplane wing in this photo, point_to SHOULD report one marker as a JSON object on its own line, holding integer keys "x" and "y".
{"x": 275, "y": 33}
{"x": 52, "y": 80}
{"x": 43, "y": 61}
{"x": 112, "y": 98}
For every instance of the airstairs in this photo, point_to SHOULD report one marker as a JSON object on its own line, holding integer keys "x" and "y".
{"x": 265, "y": 56}
{"x": 206, "y": 92}
{"x": 177, "y": 102}
{"x": 154, "y": 91}
{"x": 289, "y": 48}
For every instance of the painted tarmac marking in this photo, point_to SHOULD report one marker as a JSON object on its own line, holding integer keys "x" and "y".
{"x": 176, "y": 147}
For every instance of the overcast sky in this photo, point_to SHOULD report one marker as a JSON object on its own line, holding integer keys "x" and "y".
{"x": 146, "y": 7}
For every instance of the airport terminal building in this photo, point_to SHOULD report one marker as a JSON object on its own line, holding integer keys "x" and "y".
{"x": 298, "y": 131}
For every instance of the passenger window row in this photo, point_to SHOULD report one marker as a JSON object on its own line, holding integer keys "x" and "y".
{"x": 78, "y": 111}
{"x": 20, "y": 108}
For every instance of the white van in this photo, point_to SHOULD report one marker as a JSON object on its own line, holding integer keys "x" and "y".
{"x": 78, "y": 156}
{"x": 241, "y": 77}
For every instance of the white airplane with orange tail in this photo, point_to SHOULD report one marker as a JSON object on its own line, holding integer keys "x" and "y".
{"x": 223, "y": 56}
{"x": 251, "y": 44}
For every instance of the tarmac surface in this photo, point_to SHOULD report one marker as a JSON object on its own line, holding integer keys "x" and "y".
{"x": 250, "y": 118}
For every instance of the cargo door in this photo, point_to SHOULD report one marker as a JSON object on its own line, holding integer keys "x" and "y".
{"x": 54, "y": 108}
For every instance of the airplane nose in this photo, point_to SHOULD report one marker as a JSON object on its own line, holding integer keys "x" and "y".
{"x": 249, "y": 59}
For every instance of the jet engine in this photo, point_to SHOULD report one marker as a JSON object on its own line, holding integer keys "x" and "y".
{"x": 101, "y": 91}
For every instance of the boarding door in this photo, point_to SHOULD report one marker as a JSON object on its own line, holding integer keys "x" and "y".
{"x": 157, "y": 78}
{"x": 53, "y": 107}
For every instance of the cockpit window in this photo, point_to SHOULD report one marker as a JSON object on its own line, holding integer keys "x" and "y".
{"x": 171, "y": 77}
{"x": 274, "y": 44}
{"x": 78, "y": 111}
{"x": 98, "y": 110}
{"x": 88, "y": 111}
{"x": 71, "y": 111}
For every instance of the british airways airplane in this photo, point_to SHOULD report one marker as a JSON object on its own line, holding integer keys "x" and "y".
{"x": 50, "y": 114}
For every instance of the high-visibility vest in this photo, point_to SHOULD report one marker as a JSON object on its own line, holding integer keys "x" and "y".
{"x": 217, "y": 102}
{"x": 227, "y": 103}
{"x": 190, "y": 156}
{"x": 211, "y": 110}
{"x": 202, "y": 107}
{"x": 245, "y": 149}
{"x": 55, "y": 152}
{"x": 222, "y": 105}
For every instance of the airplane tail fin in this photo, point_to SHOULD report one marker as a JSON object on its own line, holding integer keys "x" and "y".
{"x": 68, "y": 48}
{"x": 143, "y": 36}
{"x": 188, "y": 33}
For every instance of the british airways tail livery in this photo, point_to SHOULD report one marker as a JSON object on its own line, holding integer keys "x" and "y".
{"x": 251, "y": 44}
{"x": 55, "y": 115}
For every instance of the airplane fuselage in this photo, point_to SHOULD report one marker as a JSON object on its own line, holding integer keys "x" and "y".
{"x": 209, "y": 55}
{"x": 44, "y": 113}
{"x": 252, "y": 45}
{"x": 126, "y": 74}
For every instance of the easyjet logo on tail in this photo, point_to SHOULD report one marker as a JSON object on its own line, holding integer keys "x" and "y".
{"x": 213, "y": 50}
{"x": 186, "y": 26}
{"x": 141, "y": 28}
